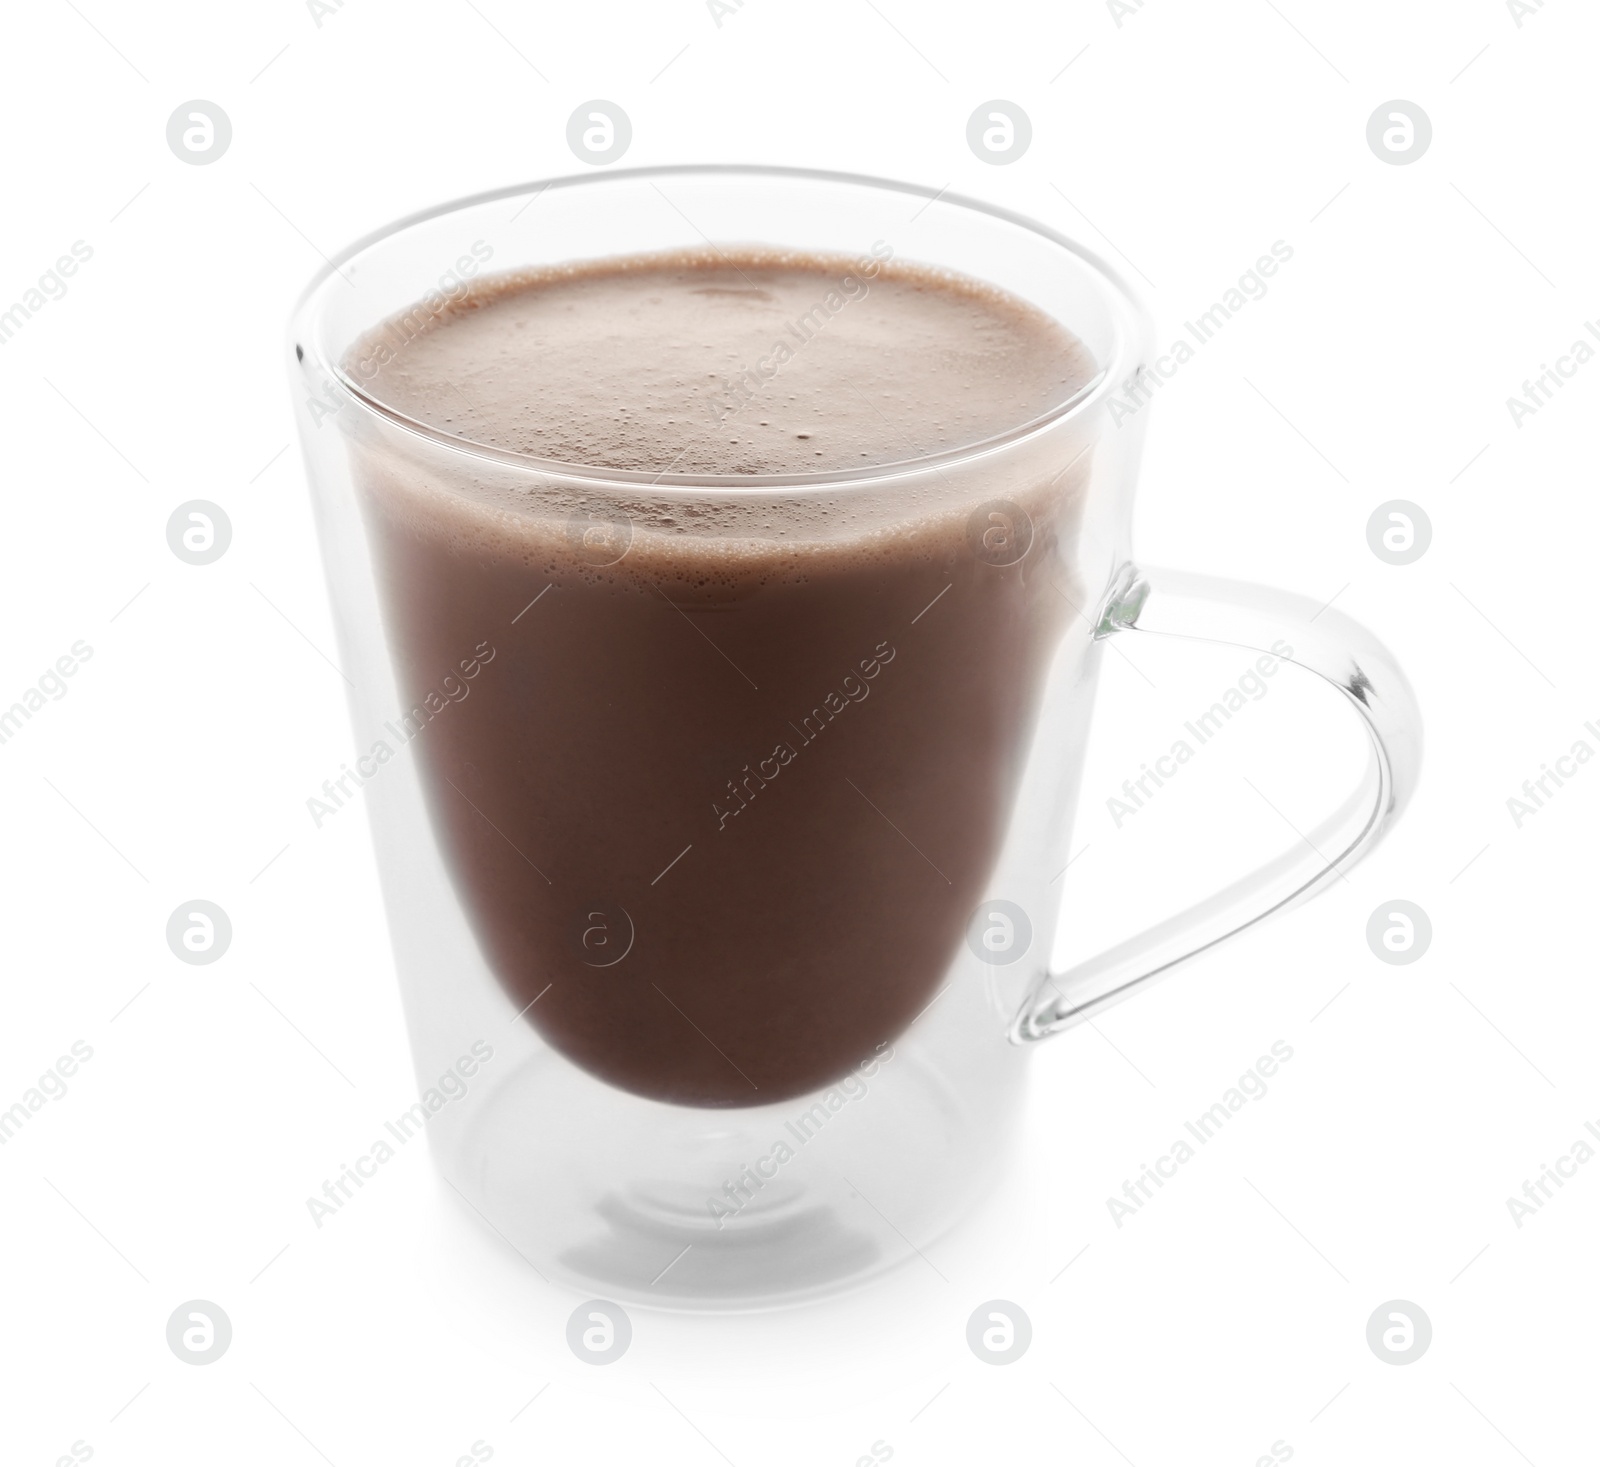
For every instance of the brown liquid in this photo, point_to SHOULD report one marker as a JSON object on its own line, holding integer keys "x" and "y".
{"x": 720, "y": 809}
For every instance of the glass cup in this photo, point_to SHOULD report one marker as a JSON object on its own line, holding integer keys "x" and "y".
{"x": 696, "y": 1024}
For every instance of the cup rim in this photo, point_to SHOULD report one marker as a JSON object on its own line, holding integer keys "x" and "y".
{"x": 1131, "y": 324}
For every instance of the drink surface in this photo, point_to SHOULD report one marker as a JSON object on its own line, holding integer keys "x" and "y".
{"x": 719, "y": 796}
{"x": 727, "y": 363}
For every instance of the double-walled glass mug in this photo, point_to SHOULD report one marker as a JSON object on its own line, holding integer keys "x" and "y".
{"x": 717, "y": 815}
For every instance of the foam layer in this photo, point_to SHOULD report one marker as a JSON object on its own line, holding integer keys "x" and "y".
{"x": 727, "y": 362}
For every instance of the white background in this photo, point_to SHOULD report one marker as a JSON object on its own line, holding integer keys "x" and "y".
{"x": 1230, "y": 1313}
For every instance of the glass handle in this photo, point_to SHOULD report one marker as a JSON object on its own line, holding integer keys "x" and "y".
{"x": 1229, "y": 613}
